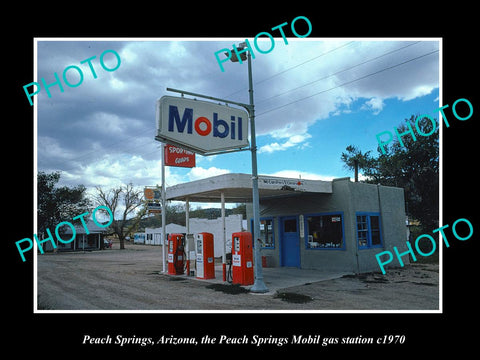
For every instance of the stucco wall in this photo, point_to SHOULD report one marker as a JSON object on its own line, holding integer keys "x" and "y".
{"x": 233, "y": 223}
{"x": 348, "y": 198}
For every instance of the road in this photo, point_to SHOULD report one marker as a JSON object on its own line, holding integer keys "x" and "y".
{"x": 132, "y": 279}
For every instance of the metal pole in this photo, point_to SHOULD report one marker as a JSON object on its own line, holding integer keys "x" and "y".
{"x": 224, "y": 239}
{"x": 164, "y": 229}
{"x": 187, "y": 224}
{"x": 208, "y": 97}
{"x": 187, "y": 214}
{"x": 258, "y": 286}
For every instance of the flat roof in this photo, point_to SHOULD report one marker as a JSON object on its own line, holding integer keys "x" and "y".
{"x": 237, "y": 188}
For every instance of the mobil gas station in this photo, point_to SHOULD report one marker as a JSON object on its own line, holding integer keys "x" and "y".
{"x": 335, "y": 226}
{"x": 310, "y": 230}
{"x": 332, "y": 226}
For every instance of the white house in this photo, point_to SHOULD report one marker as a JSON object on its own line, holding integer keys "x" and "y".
{"x": 153, "y": 236}
{"x": 82, "y": 240}
{"x": 233, "y": 223}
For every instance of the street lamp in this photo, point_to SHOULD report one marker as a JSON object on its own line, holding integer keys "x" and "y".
{"x": 258, "y": 286}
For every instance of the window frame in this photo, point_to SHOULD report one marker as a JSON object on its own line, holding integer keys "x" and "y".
{"x": 306, "y": 230}
{"x": 368, "y": 230}
{"x": 272, "y": 219}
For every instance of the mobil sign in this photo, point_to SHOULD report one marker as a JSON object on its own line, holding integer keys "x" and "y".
{"x": 201, "y": 126}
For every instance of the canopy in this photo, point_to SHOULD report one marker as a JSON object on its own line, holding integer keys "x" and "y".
{"x": 237, "y": 188}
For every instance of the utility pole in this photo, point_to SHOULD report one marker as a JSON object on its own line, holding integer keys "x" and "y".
{"x": 258, "y": 286}
{"x": 164, "y": 210}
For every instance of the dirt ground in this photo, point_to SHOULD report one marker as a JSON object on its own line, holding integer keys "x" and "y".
{"x": 132, "y": 279}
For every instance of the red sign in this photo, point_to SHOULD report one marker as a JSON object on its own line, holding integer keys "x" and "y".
{"x": 175, "y": 156}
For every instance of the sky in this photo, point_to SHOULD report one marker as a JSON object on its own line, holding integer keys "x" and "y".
{"x": 313, "y": 98}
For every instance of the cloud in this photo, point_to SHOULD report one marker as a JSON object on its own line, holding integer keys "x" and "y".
{"x": 374, "y": 104}
{"x": 115, "y": 170}
{"x": 102, "y": 132}
{"x": 50, "y": 151}
{"x": 406, "y": 68}
{"x": 294, "y": 140}
{"x": 295, "y": 174}
{"x": 198, "y": 173}
{"x": 336, "y": 72}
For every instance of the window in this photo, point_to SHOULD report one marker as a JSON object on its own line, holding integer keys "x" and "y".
{"x": 324, "y": 231}
{"x": 266, "y": 233}
{"x": 368, "y": 230}
{"x": 375, "y": 230}
{"x": 362, "y": 230}
{"x": 290, "y": 225}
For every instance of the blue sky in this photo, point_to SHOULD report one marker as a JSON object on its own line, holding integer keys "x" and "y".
{"x": 313, "y": 98}
{"x": 318, "y": 157}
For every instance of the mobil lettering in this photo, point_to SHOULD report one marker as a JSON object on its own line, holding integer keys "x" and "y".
{"x": 202, "y": 125}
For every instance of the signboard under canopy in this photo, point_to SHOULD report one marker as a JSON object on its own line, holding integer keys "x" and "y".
{"x": 176, "y": 156}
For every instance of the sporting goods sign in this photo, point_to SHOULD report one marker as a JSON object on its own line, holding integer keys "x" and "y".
{"x": 175, "y": 156}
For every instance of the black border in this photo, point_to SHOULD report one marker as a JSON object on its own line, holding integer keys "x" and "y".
{"x": 59, "y": 334}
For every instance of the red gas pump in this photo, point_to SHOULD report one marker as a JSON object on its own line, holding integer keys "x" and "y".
{"x": 204, "y": 250}
{"x": 176, "y": 254}
{"x": 242, "y": 258}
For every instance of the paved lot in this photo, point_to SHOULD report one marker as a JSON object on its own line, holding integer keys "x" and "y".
{"x": 132, "y": 279}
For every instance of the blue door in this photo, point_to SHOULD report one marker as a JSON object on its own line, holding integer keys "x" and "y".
{"x": 290, "y": 242}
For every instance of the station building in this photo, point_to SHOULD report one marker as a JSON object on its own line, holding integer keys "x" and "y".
{"x": 336, "y": 225}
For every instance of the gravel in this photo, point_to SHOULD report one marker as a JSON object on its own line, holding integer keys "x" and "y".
{"x": 132, "y": 279}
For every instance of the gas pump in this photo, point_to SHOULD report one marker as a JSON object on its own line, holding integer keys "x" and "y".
{"x": 176, "y": 254}
{"x": 204, "y": 250}
{"x": 242, "y": 258}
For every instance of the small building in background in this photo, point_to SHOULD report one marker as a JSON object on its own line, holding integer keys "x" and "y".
{"x": 82, "y": 241}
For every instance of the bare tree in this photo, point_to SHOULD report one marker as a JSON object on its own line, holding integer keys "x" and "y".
{"x": 123, "y": 201}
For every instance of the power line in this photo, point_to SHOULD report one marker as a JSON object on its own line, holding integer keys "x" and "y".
{"x": 113, "y": 145}
{"x": 294, "y": 67}
{"x": 339, "y": 72}
{"x": 303, "y": 63}
{"x": 87, "y": 154}
{"x": 348, "y": 82}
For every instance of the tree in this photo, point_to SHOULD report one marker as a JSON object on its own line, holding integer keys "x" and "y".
{"x": 413, "y": 166}
{"x": 240, "y": 209}
{"x": 355, "y": 156}
{"x": 57, "y": 204}
{"x": 123, "y": 201}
